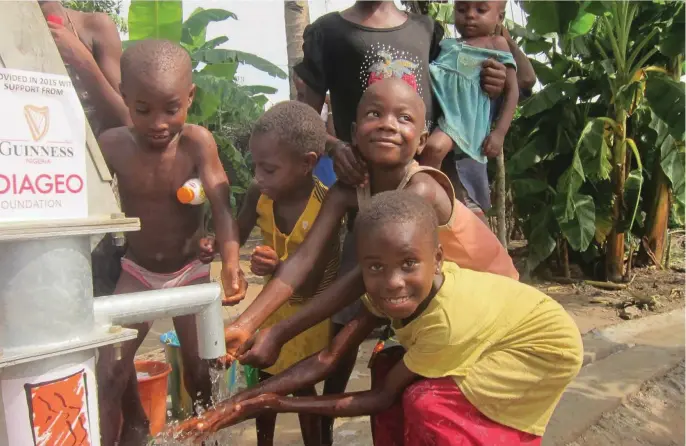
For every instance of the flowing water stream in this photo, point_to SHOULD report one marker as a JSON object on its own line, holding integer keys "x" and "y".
{"x": 225, "y": 383}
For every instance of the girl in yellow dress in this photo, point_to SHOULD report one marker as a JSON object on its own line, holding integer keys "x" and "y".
{"x": 283, "y": 202}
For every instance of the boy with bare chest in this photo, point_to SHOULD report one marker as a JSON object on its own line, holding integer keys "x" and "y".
{"x": 152, "y": 159}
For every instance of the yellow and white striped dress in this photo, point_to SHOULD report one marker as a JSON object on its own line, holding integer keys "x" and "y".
{"x": 315, "y": 338}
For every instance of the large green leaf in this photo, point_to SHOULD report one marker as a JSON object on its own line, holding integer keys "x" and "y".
{"x": 204, "y": 106}
{"x": 550, "y": 95}
{"x": 541, "y": 243}
{"x": 603, "y": 224}
{"x": 544, "y": 73}
{"x": 525, "y": 157}
{"x": 214, "y": 92}
{"x": 225, "y": 70}
{"x": 581, "y": 25}
{"x": 213, "y": 43}
{"x": 572, "y": 178}
{"x": 672, "y": 161}
{"x": 155, "y": 20}
{"x": 594, "y": 151}
{"x": 551, "y": 17}
{"x": 233, "y": 158}
{"x": 537, "y": 46}
{"x": 218, "y": 55}
{"x": 672, "y": 39}
{"x": 666, "y": 98}
{"x": 576, "y": 217}
{"x": 194, "y": 29}
{"x": 521, "y": 32}
{"x": 596, "y": 7}
{"x": 442, "y": 13}
{"x": 528, "y": 186}
{"x": 259, "y": 89}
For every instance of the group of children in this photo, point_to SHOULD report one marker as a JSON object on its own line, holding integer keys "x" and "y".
{"x": 472, "y": 355}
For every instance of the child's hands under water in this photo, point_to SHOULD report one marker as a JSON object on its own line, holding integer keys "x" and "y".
{"x": 233, "y": 278}
{"x": 224, "y": 415}
{"x": 234, "y": 337}
{"x": 264, "y": 261}
{"x": 261, "y": 350}
{"x": 493, "y": 144}
{"x": 233, "y": 283}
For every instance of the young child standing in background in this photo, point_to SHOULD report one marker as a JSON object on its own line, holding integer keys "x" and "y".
{"x": 464, "y": 144}
{"x": 466, "y": 120}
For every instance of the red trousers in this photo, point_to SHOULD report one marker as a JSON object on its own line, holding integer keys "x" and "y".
{"x": 434, "y": 412}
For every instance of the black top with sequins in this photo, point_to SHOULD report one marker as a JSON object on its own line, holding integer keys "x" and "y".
{"x": 344, "y": 58}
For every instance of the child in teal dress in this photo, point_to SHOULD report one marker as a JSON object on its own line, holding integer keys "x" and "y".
{"x": 465, "y": 125}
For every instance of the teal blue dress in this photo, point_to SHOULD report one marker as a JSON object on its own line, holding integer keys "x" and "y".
{"x": 456, "y": 84}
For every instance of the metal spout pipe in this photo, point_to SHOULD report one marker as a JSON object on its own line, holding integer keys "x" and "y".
{"x": 204, "y": 301}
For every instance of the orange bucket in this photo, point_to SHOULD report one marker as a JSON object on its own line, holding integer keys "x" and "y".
{"x": 152, "y": 388}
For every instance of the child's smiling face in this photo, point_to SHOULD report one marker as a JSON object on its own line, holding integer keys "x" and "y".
{"x": 389, "y": 128}
{"x": 400, "y": 262}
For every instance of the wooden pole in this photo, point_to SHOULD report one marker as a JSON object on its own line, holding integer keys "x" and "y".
{"x": 501, "y": 214}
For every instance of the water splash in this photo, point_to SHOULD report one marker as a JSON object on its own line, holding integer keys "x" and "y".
{"x": 225, "y": 384}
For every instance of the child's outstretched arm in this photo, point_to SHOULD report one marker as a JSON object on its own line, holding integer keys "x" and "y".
{"x": 343, "y": 405}
{"x": 217, "y": 189}
{"x": 262, "y": 350}
{"x": 493, "y": 144}
{"x": 307, "y": 372}
{"x": 295, "y": 270}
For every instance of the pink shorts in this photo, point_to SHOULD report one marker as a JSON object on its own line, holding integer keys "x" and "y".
{"x": 190, "y": 273}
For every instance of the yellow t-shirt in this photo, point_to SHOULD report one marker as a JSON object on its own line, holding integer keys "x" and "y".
{"x": 511, "y": 349}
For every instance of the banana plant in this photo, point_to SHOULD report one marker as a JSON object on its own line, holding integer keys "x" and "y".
{"x": 579, "y": 147}
{"x": 628, "y": 80}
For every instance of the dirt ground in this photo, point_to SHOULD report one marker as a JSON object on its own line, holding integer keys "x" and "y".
{"x": 652, "y": 291}
{"x": 654, "y": 416}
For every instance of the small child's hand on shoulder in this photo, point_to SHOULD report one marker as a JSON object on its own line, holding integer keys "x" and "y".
{"x": 264, "y": 261}
{"x": 501, "y": 30}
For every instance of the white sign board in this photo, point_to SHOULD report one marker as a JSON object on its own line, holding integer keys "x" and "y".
{"x": 42, "y": 148}
{"x": 57, "y": 408}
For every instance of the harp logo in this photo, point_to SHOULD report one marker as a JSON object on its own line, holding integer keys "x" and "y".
{"x": 38, "y": 119}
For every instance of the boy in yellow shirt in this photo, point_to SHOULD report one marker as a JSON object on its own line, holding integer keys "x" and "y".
{"x": 487, "y": 358}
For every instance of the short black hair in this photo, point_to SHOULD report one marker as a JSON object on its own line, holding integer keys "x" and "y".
{"x": 296, "y": 125}
{"x": 397, "y": 206}
{"x": 153, "y": 57}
